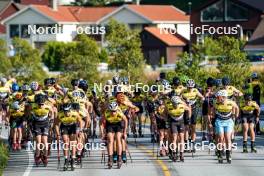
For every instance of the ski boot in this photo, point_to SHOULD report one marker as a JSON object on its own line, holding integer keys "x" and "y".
{"x": 119, "y": 162}
{"x": 253, "y": 147}
{"x": 134, "y": 135}
{"x": 245, "y": 150}
{"x": 66, "y": 164}
{"x": 228, "y": 156}
{"x": 181, "y": 157}
{"x": 37, "y": 160}
{"x": 73, "y": 166}
{"x": 153, "y": 140}
{"x": 140, "y": 133}
{"x": 19, "y": 146}
{"x": 14, "y": 146}
{"x": 45, "y": 160}
{"x": 115, "y": 157}
{"x": 110, "y": 161}
{"x": 170, "y": 154}
{"x": 124, "y": 157}
{"x": 174, "y": 157}
{"x": 220, "y": 156}
{"x": 79, "y": 159}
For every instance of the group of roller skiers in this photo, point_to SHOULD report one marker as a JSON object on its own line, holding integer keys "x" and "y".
{"x": 46, "y": 112}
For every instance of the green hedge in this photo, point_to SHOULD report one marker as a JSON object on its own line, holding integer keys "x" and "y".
{"x": 3, "y": 156}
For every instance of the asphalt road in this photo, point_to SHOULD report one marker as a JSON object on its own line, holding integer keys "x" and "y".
{"x": 145, "y": 162}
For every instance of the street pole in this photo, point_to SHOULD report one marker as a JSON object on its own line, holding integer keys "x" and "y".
{"x": 190, "y": 42}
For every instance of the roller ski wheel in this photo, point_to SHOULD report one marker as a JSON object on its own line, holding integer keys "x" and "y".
{"x": 245, "y": 150}
{"x": 220, "y": 160}
{"x": 253, "y": 150}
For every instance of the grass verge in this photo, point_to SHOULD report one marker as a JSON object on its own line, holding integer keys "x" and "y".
{"x": 3, "y": 156}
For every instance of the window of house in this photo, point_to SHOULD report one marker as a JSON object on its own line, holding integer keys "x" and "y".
{"x": 213, "y": 13}
{"x": 14, "y": 30}
{"x": 24, "y": 31}
{"x": 235, "y": 12}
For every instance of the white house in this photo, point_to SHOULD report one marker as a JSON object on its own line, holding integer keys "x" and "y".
{"x": 69, "y": 19}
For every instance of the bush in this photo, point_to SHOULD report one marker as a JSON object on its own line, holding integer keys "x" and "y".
{"x": 3, "y": 156}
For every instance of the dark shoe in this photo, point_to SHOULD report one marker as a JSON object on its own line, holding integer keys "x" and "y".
{"x": 66, "y": 165}
{"x": 228, "y": 156}
{"x": 37, "y": 160}
{"x": 245, "y": 150}
{"x": 14, "y": 146}
{"x": 79, "y": 159}
{"x": 253, "y": 147}
{"x": 45, "y": 160}
{"x": 124, "y": 157}
{"x": 19, "y": 146}
{"x": 140, "y": 133}
{"x": 153, "y": 140}
{"x": 115, "y": 157}
{"x": 174, "y": 157}
{"x": 181, "y": 157}
{"x": 73, "y": 166}
{"x": 219, "y": 156}
{"x": 110, "y": 161}
{"x": 119, "y": 162}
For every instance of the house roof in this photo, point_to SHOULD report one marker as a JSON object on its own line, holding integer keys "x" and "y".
{"x": 7, "y": 11}
{"x": 257, "y": 39}
{"x": 3, "y": 4}
{"x": 160, "y": 12}
{"x": 167, "y": 38}
{"x": 63, "y": 14}
{"x": 94, "y": 14}
{"x": 91, "y": 14}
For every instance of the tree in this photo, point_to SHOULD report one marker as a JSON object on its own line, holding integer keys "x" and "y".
{"x": 103, "y": 56}
{"x": 124, "y": 46}
{"x": 26, "y": 63}
{"x": 233, "y": 62}
{"x": 55, "y": 52}
{"x": 226, "y": 50}
{"x": 5, "y": 61}
{"x": 82, "y": 62}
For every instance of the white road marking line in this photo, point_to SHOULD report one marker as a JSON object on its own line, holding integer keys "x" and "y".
{"x": 30, "y": 164}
